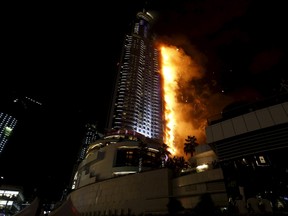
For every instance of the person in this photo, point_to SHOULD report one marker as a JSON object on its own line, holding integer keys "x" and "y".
{"x": 253, "y": 205}
{"x": 240, "y": 205}
{"x": 265, "y": 205}
{"x": 205, "y": 206}
{"x": 231, "y": 206}
{"x": 174, "y": 206}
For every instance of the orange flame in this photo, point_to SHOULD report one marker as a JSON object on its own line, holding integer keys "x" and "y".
{"x": 184, "y": 110}
{"x": 169, "y": 98}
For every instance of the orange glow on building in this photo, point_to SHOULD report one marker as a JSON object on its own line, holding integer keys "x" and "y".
{"x": 184, "y": 110}
{"x": 169, "y": 85}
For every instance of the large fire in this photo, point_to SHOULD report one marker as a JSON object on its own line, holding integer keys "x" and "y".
{"x": 185, "y": 108}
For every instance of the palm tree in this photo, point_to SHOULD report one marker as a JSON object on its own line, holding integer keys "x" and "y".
{"x": 190, "y": 145}
{"x": 163, "y": 152}
{"x": 142, "y": 151}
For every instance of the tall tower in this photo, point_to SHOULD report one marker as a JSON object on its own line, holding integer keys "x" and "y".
{"x": 12, "y": 113}
{"x": 7, "y": 124}
{"x": 137, "y": 100}
{"x": 91, "y": 134}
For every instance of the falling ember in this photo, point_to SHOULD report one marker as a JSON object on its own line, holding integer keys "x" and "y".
{"x": 183, "y": 107}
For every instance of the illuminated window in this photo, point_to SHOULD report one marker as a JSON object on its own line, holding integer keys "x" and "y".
{"x": 262, "y": 159}
{"x": 126, "y": 157}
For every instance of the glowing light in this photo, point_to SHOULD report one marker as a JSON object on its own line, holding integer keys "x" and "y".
{"x": 7, "y": 131}
{"x": 202, "y": 168}
{"x": 124, "y": 172}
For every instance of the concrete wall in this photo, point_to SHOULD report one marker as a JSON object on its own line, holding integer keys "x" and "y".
{"x": 135, "y": 194}
{"x": 188, "y": 188}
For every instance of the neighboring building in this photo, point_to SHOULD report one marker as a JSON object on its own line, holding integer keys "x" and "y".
{"x": 137, "y": 100}
{"x": 15, "y": 111}
{"x": 11, "y": 199}
{"x": 31, "y": 208}
{"x": 7, "y": 125}
{"x": 251, "y": 145}
{"x": 11, "y": 113}
{"x": 91, "y": 135}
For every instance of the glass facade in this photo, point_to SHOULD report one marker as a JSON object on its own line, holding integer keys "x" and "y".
{"x": 7, "y": 124}
{"x": 90, "y": 136}
{"x": 137, "y": 101}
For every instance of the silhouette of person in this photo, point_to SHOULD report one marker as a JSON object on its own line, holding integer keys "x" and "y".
{"x": 266, "y": 206}
{"x": 174, "y": 206}
{"x": 253, "y": 205}
{"x": 205, "y": 206}
{"x": 241, "y": 205}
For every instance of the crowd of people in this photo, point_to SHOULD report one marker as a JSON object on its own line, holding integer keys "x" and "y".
{"x": 254, "y": 205}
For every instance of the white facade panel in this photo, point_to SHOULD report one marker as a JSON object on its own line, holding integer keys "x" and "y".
{"x": 217, "y": 132}
{"x": 239, "y": 125}
{"x": 264, "y": 118}
{"x": 209, "y": 134}
{"x": 256, "y": 120}
{"x": 251, "y": 121}
{"x": 228, "y": 129}
{"x": 285, "y": 107}
{"x": 278, "y": 113}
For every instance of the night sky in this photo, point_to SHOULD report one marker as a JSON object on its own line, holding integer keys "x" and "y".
{"x": 65, "y": 57}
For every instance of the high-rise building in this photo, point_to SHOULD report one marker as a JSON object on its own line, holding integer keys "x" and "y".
{"x": 251, "y": 145}
{"x": 7, "y": 124}
{"x": 137, "y": 100}
{"x": 124, "y": 172}
{"x": 91, "y": 135}
{"x": 14, "y": 111}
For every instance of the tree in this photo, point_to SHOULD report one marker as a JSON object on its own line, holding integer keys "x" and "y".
{"x": 190, "y": 145}
{"x": 142, "y": 151}
{"x": 163, "y": 153}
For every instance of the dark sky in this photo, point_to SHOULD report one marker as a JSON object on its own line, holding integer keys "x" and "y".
{"x": 65, "y": 57}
